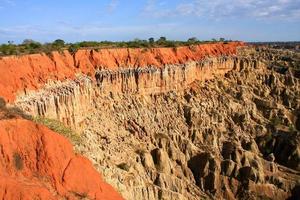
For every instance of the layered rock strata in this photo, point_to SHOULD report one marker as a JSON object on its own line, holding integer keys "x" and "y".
{"x": 22, "y": 74}
{"x": 71, "y": 101}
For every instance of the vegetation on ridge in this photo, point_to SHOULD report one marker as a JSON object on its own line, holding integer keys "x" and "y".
{"x": 30, "y": 46}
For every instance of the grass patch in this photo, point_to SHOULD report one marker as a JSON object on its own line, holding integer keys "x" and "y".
{"x": 59, "y": 127}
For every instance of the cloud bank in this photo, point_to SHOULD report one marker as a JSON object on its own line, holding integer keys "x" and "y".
{"x": 219, "y": 9}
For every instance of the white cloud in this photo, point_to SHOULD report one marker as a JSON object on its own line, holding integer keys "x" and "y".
{"x": 218, "y": 9}
{"x": 6, "y": 3}
{"x": 185, "y": 9}
{"x": 112, "y": 5}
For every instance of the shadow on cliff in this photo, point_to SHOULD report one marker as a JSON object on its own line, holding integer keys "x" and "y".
{"x": 11, "y": 112}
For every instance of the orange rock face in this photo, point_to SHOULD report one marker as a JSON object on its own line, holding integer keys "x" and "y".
{"x": 19, "y": 74}
{"x": 36, "y": 163}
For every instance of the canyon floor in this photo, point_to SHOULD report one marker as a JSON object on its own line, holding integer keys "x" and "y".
{"x": 225, "y": 127}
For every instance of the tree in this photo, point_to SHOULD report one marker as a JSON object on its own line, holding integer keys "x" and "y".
{"x": 35, "y": 45}
{"x": 74, "y": 47}
{"x": 151, "y": 40}
{"x": 59, "y": 42}
{"x": 222, "y": 39}
{"x": 28, "y": 41}
{"x": 31, "y": 44}
{"x": 161, "y": 40}
{"x": 192, "y": 40}
{"x": 137, "y": 40}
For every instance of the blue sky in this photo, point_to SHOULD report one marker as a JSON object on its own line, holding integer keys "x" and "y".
{"x": 77, "y": 20}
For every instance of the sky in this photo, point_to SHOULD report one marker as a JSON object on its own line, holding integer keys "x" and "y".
{"x": 119, "y": 20}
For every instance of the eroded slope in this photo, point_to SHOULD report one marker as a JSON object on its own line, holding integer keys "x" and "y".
{"x": 157, "y": 130}
{"x": 37, "y": 163}
{"x": 235, "y": 137}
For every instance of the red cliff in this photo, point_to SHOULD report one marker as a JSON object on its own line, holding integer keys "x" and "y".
{"x": 19, "y": 74}
{"x": 36, "y": 163}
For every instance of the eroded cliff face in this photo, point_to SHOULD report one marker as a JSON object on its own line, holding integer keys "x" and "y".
{"x": 234, "y": 137}
{"x": 71, "y": 101}
{"x": 22, "y": 74}
{"x": 206, "y": 122}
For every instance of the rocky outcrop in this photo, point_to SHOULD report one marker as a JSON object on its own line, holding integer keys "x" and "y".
{"x": 68, "y": 102}
{"x": 37, "y": 163}
{"x": 220, "y": 139}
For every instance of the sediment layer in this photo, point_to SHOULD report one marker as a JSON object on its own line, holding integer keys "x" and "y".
{"x": 71, "y": 101}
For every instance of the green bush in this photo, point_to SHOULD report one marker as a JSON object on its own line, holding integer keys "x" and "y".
{"x": 151, "y": 41}
{"x": 73, "y": 48}
{"x": 30, "y": 46}
{"x": 192, "y": 40}
{"x": 58, "y": 44}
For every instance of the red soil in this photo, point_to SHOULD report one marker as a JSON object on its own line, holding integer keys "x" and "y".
{"x": 36, "y": 163}
{"x": 21, "y": 73}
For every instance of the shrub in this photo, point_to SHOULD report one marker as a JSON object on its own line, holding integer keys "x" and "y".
{"x": 151, "y": 41}
{"x": 8, "y": 49}
{"x": 161, "y": 40}
{"x": 59, "y": 42}
{"x": 192, "y": 40}
{"x": 30, "y": 46}
{"x": 73, "y": 48}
